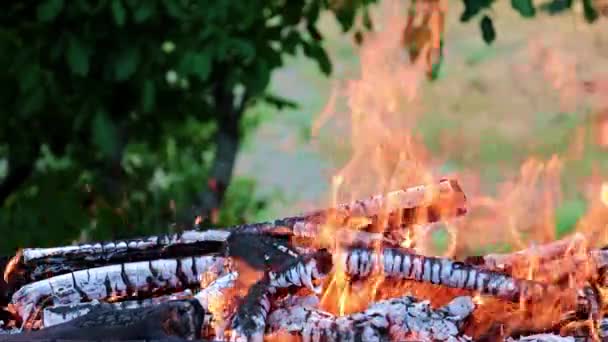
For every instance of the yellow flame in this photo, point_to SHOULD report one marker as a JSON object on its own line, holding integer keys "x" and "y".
{"x": 604, "y": 194}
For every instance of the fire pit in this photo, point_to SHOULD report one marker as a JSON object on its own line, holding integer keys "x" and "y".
{"x": 344, "y": 274}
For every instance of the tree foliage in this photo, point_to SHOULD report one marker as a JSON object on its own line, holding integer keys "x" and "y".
{"x": 525, "y": 8}
{"x": 121, "y": 116}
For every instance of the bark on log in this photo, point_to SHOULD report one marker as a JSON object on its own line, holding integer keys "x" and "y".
{"x": 440, "y": 201}
{"x": 122, "y": 280}
{"x": 400, "y": 263}
{"x": 59, "y": 314}
{"x": 416, "y": 205}
{"x": 33, "y": 264}
{"x": 173, "y": 321}
{"x": 401, "y": 319}
{"x": 303, "y": 271}
{"x": 249, "y": 322}
{"x": 537, "y": 254}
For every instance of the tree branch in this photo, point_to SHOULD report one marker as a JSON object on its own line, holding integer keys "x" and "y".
{"x": 227, "y": 140}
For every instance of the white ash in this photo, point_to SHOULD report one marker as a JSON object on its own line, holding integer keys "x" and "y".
{"x": 542, "y": 338}
{"x": 395, "y": 319}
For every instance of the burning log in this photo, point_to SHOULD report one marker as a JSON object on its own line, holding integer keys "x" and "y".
{"x": 400, "y": 319}
{"x": 303, "y": 271}
{"x": 421, "y": 204}
{"x": 260, "y": 251}
{"x": 436, "y": 202}
{"x": 33, "y": 264}
{"x": 59, "y": 314}
{"x": 122, "y": 280}
{"x": 537, "y": 254}
{"x": 173, "y": 321}
{"x": 402, "y": 264}
{"x": 249, "y": 322}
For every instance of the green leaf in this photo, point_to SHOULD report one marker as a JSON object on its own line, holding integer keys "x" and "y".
{"x": 291, "y": 41}
{"x": 589, "y": 10}
{"x": 29, "y": 77}
{"x": 201, "y": 65}
{"x": 556, "y": 6}
{"x": 279, "y": 102}
{"x": 144, "y": 11}
{"x": 148, "y": 96}
{"x": 524, "y": 7}
{"x": 367, "y": 20}
{"x": 33, "y": 101}
{"x": 487, "y": 29}
{"x": 173, "y": 8}
{"x": 196, "y": 63}
{"x": 126, "y": 63}
{"x": 77, "y": 55}
{"x": 119, "y": 12}
{"x": 104, "y": 134}
{"x": 49, "y": 10}
{"x": 316, "y": 52}
{"x": 473, "y": 7}
{"x": 346, "y": 16}
{"x": 314, "y": 32}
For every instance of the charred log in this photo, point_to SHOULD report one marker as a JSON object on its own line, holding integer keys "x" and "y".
{"x": 303, "y": 271}
{"x": 59, "y": 314}
{"x": 122, "y": 280}
{"x": 33, "y": 264}
{"x": 173, "y": 321}
{"x": 249, "y": 322}
{"x": 421, "y": 204}
{"x": 412, "y": 205}
{"x": 401, "y": 319}
{"x": 402, "y": 264}
{"x": 262, "y": 252}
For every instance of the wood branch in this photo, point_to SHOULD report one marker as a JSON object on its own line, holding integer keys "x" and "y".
{"x": 120, "y": 280}
{"x": 558, "y": 262}
{"x": 538, "y": 254}
{"x": 260, "y": 251}
{"x": 437, "y": 202}
{"x": 402, "y": 264}
{"x": 400, "y": 319}
{"x": 303, "y": 271}
{"x": 33, "y": 264}
{"x": 416, "y": 205}
{"x": 59, "y": 314}
{"x": 249, "y": 322}
{"x": 227, "y": 143}
{"x": 173, "y": 321}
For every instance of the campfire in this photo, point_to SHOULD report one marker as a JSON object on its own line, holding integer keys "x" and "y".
{"x": 301, "y": 277}
{"x": 357, "y": 271}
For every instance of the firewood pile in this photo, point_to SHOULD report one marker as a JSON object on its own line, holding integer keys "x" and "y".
{"x": 348, "y": 273}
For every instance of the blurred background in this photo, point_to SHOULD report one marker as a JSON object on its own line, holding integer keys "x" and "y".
{"x": 122, "y": 118}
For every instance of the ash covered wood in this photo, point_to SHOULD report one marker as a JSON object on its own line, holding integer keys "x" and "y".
{"x": 59, "y": 314}
{"x": 303, "y": 271}
{"x": 249, "y": 322}
{"x": 403, "y": 264}
{"x": 400, "y": 319}
{"x": 121, "y": 280}
{"x": 33, "y": 264}
{"x": 172, "y": 321}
